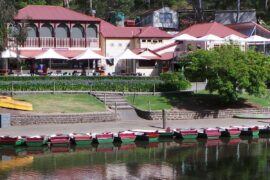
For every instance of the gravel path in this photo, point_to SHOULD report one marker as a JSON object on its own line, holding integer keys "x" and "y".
{"x": 124, "y": 125}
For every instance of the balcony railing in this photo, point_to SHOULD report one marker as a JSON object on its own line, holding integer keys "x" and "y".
{"x": 47, "y": 42}
{"x": 62, "y": 42}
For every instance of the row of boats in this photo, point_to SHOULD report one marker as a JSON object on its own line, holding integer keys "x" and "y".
{"x": 133, "y": 135}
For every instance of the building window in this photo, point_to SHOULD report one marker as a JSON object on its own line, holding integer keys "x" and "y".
{"x": 146, "y": 63}
{"x": 143, "y": 40}
{"x": 91, "y": 31}
{"x": 120, "y": 44}
{"x": 32, "y": 30}
{"x": 77, "y": 31}
{"x": 160, "y": 41}
{"x": 111, "y": 44}
{"x": 46, "y": 30}
{"x": 149, "y": 40}
{"x": 155, "y": 41}
{"x": 62, "y": 31}
{"x": 165, "y": 17}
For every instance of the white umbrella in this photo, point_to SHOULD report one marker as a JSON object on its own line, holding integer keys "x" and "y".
{"x": 210, "y": 37}
{"x": 88, "y": 54}
{"x": 257, "y": 38}
{"x": 129, "y": 55}
{"x": 185, "y": 37}
{"x": 233, "y": 37}
{"x": 8, "y": 54}
{"x": 50, "y": 54}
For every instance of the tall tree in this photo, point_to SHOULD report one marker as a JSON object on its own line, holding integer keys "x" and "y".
{"x": 230, "y": 71}
{"x": 6, "y": 15}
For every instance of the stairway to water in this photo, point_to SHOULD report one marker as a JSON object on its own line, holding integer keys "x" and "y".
{"x": 113, "y": 100}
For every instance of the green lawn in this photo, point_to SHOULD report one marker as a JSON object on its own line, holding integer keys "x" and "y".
{"x": 200, "y": 100}
{"x": 261, "y": 101}
{"x": 156, "y": 102}
{"x": 64, "y": 103}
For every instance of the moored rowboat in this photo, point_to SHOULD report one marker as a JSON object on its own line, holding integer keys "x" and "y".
{"x": 60, "y": 140}
{"x": 232, "y": 132}
{"x": 249, "y": 130}
{"x": 146, "y": 135}
{"x": 209, "y": 133}
{"x": 81, "y": 138}
{"x": 103, "y": 138}
{"x": 189, "y": 133}
{"x": 11, "y": 140}
{"x": 125, "y": 137}
{"x": 167, "y": 133}
{"x": 35, "y": 141}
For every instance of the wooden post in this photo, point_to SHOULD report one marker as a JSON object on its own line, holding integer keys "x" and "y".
{"x": 134, "y": 98}
{"x": 53, "y": 87}
{"x": 11, "y": 88}
{"x": 154, "y": 89}
{"x": 164, "y": 118}
{"x": 104, "y": 98}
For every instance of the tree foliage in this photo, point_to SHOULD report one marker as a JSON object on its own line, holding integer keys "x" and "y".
{"x": 174, "y": 81}
{"x": 6, "y": 15}
{"x": 230, "y": 71}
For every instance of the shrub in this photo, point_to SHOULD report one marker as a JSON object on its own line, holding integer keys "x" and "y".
{"x": 174, "y": 81}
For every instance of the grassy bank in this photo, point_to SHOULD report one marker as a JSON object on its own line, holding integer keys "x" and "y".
{"x": 152, "y": 102}
{"x": 64, "y": 103}
{"x": 198, "y": 101}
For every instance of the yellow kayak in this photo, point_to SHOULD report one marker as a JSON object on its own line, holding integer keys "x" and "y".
{"x": 8, "y": 102}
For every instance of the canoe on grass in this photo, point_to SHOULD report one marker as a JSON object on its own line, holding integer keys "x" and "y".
{"x": 8, "y": 102}
{"x": 252, "y": 116}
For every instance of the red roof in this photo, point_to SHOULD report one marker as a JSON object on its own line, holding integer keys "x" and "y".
{"x": 248, "y": 25}
{"x": 200, "y": 30}
{"x": 166, "y": 46}
{"x": 132, "y": 32}
{"x": 66, "y": 53}
{"x": 168, "y": 56}
{"x": 51, "y": 13}
{"x": 162, "y": 57}
{"x": 139, "y": 51}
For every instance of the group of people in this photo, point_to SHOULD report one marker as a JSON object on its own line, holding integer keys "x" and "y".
{"x": 36, "y": 68}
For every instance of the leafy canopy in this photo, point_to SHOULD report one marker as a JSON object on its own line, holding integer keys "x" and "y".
{"x": 174, "y": 81}
{"x": 230, "y": 71}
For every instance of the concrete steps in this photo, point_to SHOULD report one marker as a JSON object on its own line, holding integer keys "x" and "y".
{"x": 111, "y": 99}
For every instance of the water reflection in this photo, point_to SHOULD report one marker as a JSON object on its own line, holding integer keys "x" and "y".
{"x": 246, "y": 158}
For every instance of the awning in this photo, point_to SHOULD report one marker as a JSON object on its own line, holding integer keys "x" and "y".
{"x": 88, "y": 54}
{"x": 8, "y": 54}
{"x": 128, "y": 54}
{"x": 50, "y": 54}
{"x": 64, "y": 52}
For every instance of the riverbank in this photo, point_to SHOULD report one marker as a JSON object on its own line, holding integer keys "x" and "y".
{"x": 125, "y": 125}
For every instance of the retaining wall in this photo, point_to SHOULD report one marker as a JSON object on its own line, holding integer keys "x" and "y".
{"x": 201, "y": 114}
{"x": 36, "y": 119}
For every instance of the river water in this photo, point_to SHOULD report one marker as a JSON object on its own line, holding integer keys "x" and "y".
{"x": 215, "y": 159}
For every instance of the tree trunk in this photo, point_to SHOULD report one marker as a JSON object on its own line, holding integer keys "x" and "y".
{"x": 66, "y": 3}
